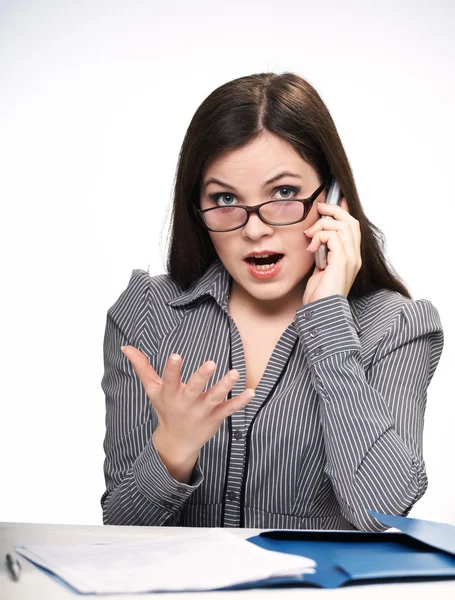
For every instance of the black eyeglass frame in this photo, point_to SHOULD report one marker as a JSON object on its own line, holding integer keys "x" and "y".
{"x": 307, "y": 202}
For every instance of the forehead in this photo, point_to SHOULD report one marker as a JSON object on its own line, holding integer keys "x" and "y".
{"x": 259, "y": 159}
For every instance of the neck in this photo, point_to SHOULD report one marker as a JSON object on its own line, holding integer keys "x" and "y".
{"x": 271, "y": 309}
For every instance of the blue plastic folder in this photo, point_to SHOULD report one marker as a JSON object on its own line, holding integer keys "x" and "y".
{"x": 421, "y": 549}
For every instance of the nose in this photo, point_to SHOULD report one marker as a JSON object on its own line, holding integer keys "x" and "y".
{"x": 255, "y": 228}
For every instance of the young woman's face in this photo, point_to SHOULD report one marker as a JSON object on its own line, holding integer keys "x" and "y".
{"x": 242, "y": 177}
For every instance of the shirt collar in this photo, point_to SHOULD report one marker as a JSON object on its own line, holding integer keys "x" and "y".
{"x": 215, "y": 282}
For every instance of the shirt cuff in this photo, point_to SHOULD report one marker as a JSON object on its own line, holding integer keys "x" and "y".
{"x": 158, "y": 486}
{"x": 326, "y": 327}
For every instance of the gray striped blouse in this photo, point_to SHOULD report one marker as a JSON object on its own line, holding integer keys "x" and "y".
{"x": 335, "y": 427}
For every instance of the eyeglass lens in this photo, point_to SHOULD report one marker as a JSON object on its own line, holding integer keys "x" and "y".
{"x": 279, "y": 212}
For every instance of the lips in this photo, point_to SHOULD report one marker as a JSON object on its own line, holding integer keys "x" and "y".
{"x": 262, "y": 253}
{"x": 261, "y": 273}
{"x": 263, "y": 258}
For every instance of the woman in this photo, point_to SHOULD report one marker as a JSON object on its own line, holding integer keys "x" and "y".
{"x": 279, "y": 396}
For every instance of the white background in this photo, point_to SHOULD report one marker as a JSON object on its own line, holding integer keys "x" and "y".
{"x": 95, "y": 98}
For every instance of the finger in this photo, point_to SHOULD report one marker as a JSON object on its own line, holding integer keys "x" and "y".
{"x": 328, "y": 224}
{"x": 331, "y": 238}
{"x": 218, "y": 392}
{"x": 341, "y": 252}
{"x": 338, "y": 214}
{"x": 228, "y": 408}
{"x": 197, "y": 382}
{"x": 142, "y": 366}
{"x": 343, "y": 229}
{"x": 171, "y": 375}
{"x": 334, "y": 210}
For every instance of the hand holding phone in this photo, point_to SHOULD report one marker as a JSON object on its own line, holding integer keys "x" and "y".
{"x": 333, "y": 196}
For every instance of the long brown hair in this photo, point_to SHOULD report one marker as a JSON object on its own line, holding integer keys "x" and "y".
{"x": 234, "y": 114}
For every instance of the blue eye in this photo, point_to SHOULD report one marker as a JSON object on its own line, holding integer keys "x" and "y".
{"x": 228, "y": 198}
{"x": 286, "y": 192}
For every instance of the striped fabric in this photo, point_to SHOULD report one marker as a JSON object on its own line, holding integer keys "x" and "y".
{"x": 335, "y": 427}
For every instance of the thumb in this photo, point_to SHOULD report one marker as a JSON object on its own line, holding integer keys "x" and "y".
{"x": 142, "y": 366}
{"x": 312, "y": 284}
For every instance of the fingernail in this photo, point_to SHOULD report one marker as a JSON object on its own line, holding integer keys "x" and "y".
{"x": 175, "y": 359}
{"x": 122, "y": 348}
{"x": 250, "y": 395}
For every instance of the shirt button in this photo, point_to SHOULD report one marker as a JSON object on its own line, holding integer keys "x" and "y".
{"x": 232, "y": 496}
{"x": 168, "y": 505}
{"x": 308, "y": 314}
{"x": 314, "y": 333}
{"x": 318, "y": 351}
{"x": 238, "y": 435}
{"x": 181, "y": 490}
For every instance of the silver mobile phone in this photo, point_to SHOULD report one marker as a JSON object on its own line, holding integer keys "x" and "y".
{"x": 333, "y": 196}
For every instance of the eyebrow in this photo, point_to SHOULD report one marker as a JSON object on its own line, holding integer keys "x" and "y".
{"x": 268, "y": 182}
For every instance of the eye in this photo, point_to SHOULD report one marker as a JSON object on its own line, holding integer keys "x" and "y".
{"x": 286, "y": 192}
{"x": 227, "y": 199}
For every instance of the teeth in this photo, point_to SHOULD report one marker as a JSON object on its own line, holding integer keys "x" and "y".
{"x": 260, "y": 256}
{"x": 264, "y": 267}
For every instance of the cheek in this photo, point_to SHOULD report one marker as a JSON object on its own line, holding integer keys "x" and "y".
{"x": 312, "y": 217}
{"x": 221, "y": 242}
{"x": 214, "y": 239}
{"x": 299, "y": 236}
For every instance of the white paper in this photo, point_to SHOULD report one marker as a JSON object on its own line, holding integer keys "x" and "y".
{"x": 207, "y": 560}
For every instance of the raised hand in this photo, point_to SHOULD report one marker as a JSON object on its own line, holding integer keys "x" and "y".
{"x": 187, "y": 416}
{"x": 341, "y": 233}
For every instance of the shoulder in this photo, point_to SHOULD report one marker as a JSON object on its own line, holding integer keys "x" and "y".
{"x": 143, "y": 287}
{"x": 145, "y": 296}
{"x": 383, "y": 307}
{"x": 395, "y": 319}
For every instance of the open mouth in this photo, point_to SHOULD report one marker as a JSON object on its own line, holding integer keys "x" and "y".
{"x": 264, "y": 261}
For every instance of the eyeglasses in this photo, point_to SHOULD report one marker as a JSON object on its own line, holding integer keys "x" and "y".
{"x": 274, "y": 212}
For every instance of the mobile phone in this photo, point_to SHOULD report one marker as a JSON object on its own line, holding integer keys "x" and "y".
{"x": 333, "y": 196}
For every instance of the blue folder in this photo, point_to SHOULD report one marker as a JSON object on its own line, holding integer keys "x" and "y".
{"x": 421, "y": 549}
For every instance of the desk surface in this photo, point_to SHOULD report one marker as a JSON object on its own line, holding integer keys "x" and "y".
{"x": 34, "y": 584}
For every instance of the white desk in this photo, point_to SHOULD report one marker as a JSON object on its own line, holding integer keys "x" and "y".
{"x": 35, "y": 585}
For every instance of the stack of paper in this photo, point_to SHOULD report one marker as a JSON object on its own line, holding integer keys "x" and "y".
{"x": 210, "y": 559}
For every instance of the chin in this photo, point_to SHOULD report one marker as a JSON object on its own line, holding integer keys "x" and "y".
{"x": 262, "y": 290}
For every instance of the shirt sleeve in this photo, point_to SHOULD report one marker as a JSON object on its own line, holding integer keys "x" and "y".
{"x": 139, "y": 488}
{"x": 372, "y": 418}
